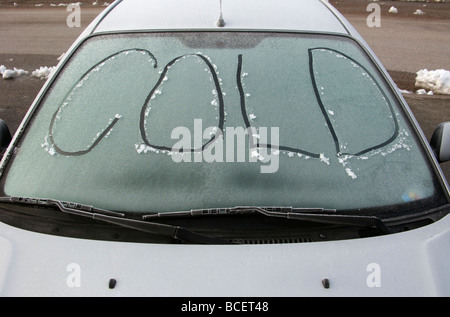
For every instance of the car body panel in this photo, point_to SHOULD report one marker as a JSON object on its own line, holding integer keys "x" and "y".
{"x": 403, "y": 264}
{"x": 176, "y": 14}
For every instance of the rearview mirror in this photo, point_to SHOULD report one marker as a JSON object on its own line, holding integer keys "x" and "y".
{"x": 440, "y": 142}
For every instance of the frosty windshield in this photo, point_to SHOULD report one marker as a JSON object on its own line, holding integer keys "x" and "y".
{"x": 178, "y": 121}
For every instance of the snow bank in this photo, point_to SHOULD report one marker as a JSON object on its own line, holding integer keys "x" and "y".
{"x": 11, "y": 73}
{"x": 437, "y": 81}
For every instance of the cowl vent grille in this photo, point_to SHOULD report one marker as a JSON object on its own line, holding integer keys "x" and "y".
{"x": 273, "y": 240}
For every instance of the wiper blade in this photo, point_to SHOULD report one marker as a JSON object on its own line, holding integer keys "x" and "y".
{"x": 284, "y": 212}
{"x": 318, "y": 215}
{"x": 112, "y": 217}
{"x": 67, "y": 207}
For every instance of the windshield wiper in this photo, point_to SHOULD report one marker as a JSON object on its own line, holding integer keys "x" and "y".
{"x": 67, "y": 207}
{"x": 283, "y": 212}
{"x": 318, "y": 215}
{"x": 112, "y": 217}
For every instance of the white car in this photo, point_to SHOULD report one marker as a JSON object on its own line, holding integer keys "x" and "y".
{"x": 251, "y": 148}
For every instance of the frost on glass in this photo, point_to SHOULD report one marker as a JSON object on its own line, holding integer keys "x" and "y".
{"x": 77, "y": 126}
{"x": 276, "y": 91}
{"x": 359, "y": 114}
{"x": 188, "y": 89}
{"x": 102, "y": 133}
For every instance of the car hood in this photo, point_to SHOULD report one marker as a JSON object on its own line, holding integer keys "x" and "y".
{"x": 412, "y": 263}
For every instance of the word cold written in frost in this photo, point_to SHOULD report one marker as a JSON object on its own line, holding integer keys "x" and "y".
{"x": 233, "y": 149}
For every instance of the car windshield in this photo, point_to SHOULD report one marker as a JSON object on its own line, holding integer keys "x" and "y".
{"x": 161, "y": 122}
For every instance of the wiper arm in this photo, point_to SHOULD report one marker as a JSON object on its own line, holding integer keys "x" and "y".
{"x": 319, "y": 215}
{"x": 112, "y": 217}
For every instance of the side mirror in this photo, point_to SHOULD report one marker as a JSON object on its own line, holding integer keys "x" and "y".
{"x": 440, "y": 142}
{"x": 5, "y": 137}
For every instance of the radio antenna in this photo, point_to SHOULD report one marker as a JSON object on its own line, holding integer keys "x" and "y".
{"x": 221, "y": 22}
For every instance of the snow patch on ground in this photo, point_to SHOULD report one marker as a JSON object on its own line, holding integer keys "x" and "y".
{"x": 393, "y": 10}
{"x": 11, "y": 73}
{"x": 43, "y": 72}
{"x": 433, "y": 81}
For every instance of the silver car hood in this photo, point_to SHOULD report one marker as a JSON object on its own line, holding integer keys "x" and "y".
{"x": 413, "y": 263}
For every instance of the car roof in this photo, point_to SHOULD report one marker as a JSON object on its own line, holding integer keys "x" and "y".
{"x": 294, "y": 15}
